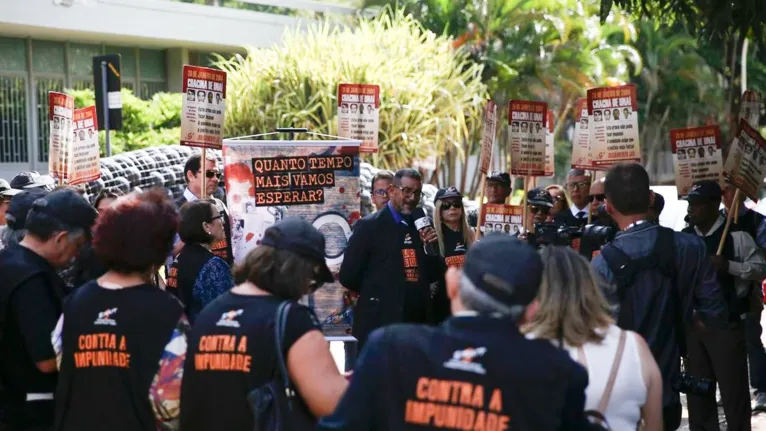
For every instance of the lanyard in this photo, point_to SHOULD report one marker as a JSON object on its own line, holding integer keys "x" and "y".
{"x": 634, "y": 224}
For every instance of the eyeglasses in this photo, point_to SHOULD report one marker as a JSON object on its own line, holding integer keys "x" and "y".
{"x": 534, "y": 209}
{"x": 599, "y": 197}
{"x": 381, "y": 192}
{"x": 407, "y": 191}
{"x": 454, "y": 204}
{"x": 581, "y": 185}
{"x": 219, "y": 216}
{"x": 211, "y": 174}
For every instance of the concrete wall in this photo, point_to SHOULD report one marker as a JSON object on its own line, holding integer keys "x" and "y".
{"x": 147, "y": 23}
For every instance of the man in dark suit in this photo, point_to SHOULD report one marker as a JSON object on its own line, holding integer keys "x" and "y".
{"x": 385, "y": 262}
{"x": 476, "y": 368}
{"x": 578, "y": 187}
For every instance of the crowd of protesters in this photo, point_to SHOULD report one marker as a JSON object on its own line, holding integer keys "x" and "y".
{"x": 129, "y": 314}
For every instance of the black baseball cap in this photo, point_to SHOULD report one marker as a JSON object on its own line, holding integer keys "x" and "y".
{"x": 68, "y": 207}
{"x": 19, "y": 207}
{"x": 28, "y": 180}
{"x": 5, "y": 189}
{"x": 501, "y": 177}
{"x": 706, "y": 190}
{"x": 449, "y": 192}
{"x": 540, "y": 196}
{"x": 504, "y": 268}
{"x": 300, "y": 237}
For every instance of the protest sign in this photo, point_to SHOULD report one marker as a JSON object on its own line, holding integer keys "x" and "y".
{"x": 204, "y": 107}
{"x": 613, "y": 125}
{"x": 488, "y": 136}
{"x": 696, "y": 156}
{"x": 528, "y": 122}
{"x": 581, "y": 157}
{"x": 60, "y": 114}
{"x": 501, "y": 218}
{"x": 751, "y": 108}
{"x": 745, "y": 165}
{"x": 84, "y": 159}
{"x": 359, "y": 114}
{"x": 267, "y": 181}
{"x": 550, "y": 149}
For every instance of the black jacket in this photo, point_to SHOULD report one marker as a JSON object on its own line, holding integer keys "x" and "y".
{"x": 469, "y": 370}
{"x": 373, "y": 266}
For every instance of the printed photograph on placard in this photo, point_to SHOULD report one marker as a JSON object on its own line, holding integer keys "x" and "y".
{"x": 204, "y": 107}
{"x": 267, "y": 181}
{"x": 581, "y": 157}
{"x": 750, "y": 110}
{"x": 527, "y": 122}
{"x": 500, "y": 218}
{"x": 745, "y": 165}
{"x": 550, "y": 150}
{"x": 488, "y": 136}
{"x": 696, "y": 156}
{"x": 84, "y": 156}
{"x": 359, "y": 114}
{"x": 60, "y": 115}
{"x": 613, "y": 125}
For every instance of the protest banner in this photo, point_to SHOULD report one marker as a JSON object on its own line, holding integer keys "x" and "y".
{"x": 613, "y": 126}
{"x": 550, "y": 148}
{"x": 60, "y": 114}
{"x": 359, "y": 114}
{"x": 581, "y": 157}
{"x": 751, "y": 108}
{"x": 745, "y": 165}
{"x": 528, "y": 122}
{"x": 267, "y": 181}
{"x": 696, "y": 156}
{"x": 84, "y": 159}
{"x": 204, "y": 107}
{"x": 501, "y": 218}
{"x": 488, "y": 136}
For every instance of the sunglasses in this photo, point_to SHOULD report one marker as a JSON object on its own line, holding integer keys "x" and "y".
{"x": 381, "y": 192}
{"x": 448, "y": 205}
{"x": 211, "y": 174}
{"x": 578, "y": 186}
{"x": 534, "y": 209}
{"x": 599, "y": 197}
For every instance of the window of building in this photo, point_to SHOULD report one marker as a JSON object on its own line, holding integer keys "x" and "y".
{"x": 13, "y": 101}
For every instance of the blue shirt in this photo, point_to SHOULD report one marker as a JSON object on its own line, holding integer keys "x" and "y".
{"x": 397, "y": 217}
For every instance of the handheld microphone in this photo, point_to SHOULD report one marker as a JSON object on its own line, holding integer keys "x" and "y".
{"x": 422, "y": 221}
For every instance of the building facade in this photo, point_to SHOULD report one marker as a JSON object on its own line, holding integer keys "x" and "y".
{"x": 48, "y": 45}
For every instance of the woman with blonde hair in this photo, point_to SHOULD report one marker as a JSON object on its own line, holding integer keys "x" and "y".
{"x": 625, "y": 385}
{"x": 560, "y": 200}
{"x": 455, "y": 237}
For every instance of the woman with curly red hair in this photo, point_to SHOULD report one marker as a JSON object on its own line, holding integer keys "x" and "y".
{"x": 121, "y": 341}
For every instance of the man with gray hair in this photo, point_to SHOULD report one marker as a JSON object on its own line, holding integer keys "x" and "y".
{"x": 31, "y": 297}
{"x": 476, "y": 370}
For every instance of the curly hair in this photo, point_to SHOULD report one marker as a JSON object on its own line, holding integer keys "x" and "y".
{"x": 136, "y": 233}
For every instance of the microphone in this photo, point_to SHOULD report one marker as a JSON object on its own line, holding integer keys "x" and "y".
{"x": 422, "y": 221}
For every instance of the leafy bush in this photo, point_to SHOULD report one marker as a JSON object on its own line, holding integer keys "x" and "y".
{"x": 145, "y": 123}
{"x": 431, "y": 94}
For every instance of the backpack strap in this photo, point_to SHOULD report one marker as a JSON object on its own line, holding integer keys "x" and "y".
{"x": 612, "y": 374}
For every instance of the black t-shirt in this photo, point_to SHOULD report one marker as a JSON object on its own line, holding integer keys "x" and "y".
{"x": 33, "y": 309}
{"x": 454, "y": 247}
{"x": 230, "y": 353}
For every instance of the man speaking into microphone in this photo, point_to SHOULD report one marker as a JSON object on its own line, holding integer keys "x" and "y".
{"x": 390, "y": 260}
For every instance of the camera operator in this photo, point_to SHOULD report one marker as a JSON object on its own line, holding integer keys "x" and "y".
{"x": 660, "y": 277}
{"x": 720, "y": 353}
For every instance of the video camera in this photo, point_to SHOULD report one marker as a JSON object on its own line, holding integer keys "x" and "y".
{"x": 587, "y": 240}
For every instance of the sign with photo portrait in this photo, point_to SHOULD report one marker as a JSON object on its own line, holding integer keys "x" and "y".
{"x": 84, "y": 159}
{"x": 613, "y": 125}
{"x": 751, "y": 108}
{"x": 204, "y": 107}
{"x": 267, "y": 181}
{"x": 528, "y": 122}
{"x": 488, "y": 136}
{"x": 359, "y": 114}
{"x": 501, "y": 218}
{"x": 550, "y": 148}
{"x": 581, "y": 157}
{"x": 745, "y": 165}
{"x": 60, "y": 115}
{"x": 696, "y": 156}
